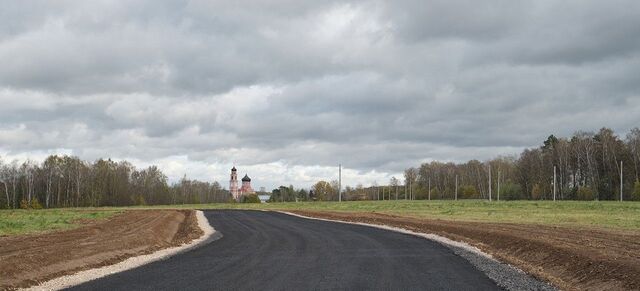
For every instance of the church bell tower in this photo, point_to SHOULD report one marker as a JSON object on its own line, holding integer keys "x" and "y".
{"x": 233, "y": 184}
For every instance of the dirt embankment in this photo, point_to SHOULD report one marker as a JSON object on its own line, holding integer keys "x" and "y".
{"x": 570, "y": 258}
{"x": 27, "y": 260}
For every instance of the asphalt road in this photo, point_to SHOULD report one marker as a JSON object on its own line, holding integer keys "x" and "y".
{"x": 274, "y": 251}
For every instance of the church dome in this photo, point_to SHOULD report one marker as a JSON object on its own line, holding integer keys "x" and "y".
{"x": 233, "y": 169}
{"x": 246, "y": 178}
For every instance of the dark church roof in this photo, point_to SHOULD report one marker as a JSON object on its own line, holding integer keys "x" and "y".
{"x": 246, "y": 178}
{"x": 233, "y": 169}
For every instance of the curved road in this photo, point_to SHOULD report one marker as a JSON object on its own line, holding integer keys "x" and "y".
{"x": 274, "y": 251}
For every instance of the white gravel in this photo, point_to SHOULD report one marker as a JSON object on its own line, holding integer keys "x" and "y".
{"x": 505, "y": 275}
{"x": 210, "y": 234}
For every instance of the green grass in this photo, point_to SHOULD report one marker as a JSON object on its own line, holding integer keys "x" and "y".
{"x": 606, "y": 214}
{"x": 15, "y": 222}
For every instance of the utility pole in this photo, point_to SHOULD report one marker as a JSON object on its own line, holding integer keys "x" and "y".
{"x": 554, "y": 183}
{"x": 456, "y": 195}
{"x": 339, "y": 182}
{"x": 489, "y": 182}
{"x": 498, "y": 185}
{"x": 396, "y": 192}
{"x": 621, "y": 181}
{"x": 411, "y": 190}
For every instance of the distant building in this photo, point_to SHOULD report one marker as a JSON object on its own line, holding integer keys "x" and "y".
{"x": 246, "y": 186}
{"x": 233, "y": 184}
{"x": 245, "y": 189}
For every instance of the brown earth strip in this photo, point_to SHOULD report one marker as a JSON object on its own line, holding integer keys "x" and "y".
{"x": 27, "y": 260}
{"x": 571, "y": 258}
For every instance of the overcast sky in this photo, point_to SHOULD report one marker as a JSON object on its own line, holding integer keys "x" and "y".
{"x": 287, "y": 89}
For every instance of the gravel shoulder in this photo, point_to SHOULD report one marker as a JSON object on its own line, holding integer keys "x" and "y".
{"x": 28, "y": 260}
{"x": 569, "y": 258}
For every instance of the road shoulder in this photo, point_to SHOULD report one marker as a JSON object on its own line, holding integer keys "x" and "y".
{"x": 559, "y": 255}
{"x": 64, "y": 258}
{"x": 208, "y": 234}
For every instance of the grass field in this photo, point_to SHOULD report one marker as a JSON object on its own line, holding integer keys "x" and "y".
{"x": 606, "y": 214}
{"x": 14, "y": 222}
{"x": 603, "y": 214}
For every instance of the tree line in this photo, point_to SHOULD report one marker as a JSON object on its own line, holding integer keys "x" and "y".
{"x": 68, "y": 181}
{"x": 587, "y": 167}
{"x": 284, "y": 193}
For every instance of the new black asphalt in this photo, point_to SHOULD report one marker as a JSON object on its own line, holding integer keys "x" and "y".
{"x": 275, "y": 251}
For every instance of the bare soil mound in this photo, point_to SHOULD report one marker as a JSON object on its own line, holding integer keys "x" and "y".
{"x": 570, "y": 258}
{"x": 27, "y": 260}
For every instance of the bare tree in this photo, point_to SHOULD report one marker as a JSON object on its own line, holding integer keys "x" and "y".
{"x": 410, "y": 178}
{"x": 394, "y": 183}
{"x": 4, "y": 179}
{"x": 12, "y": 175}
{"x": 633, "y": 143}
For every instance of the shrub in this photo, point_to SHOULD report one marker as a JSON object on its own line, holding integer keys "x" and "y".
{"x": 140, "y": 200}
{"x": 584, "y": 193}
{"x": 636, "y": 191}
{"x": 469, "y": 192}
{"x": 35, "y": 204}
{"x": 571, "y": 193}
{"x": 251, "y": 198}
{"x": 536, "y": 192}
{"x": 511, "y": 191}
{"x": 434, "y": 193}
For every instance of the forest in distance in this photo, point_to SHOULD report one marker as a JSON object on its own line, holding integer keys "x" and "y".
{"x": 587, "y": 166}
{"x": 67, "y": 181}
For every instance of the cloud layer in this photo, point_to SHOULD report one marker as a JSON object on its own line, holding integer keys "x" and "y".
{"x": 288, "y": 89}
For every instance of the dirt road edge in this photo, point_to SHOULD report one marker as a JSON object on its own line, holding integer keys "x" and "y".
{"x": 209, "y": 234}
{"x": 505, "y": 275}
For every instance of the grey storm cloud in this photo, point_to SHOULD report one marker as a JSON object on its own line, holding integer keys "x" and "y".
{"x": 376, "y": 85}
